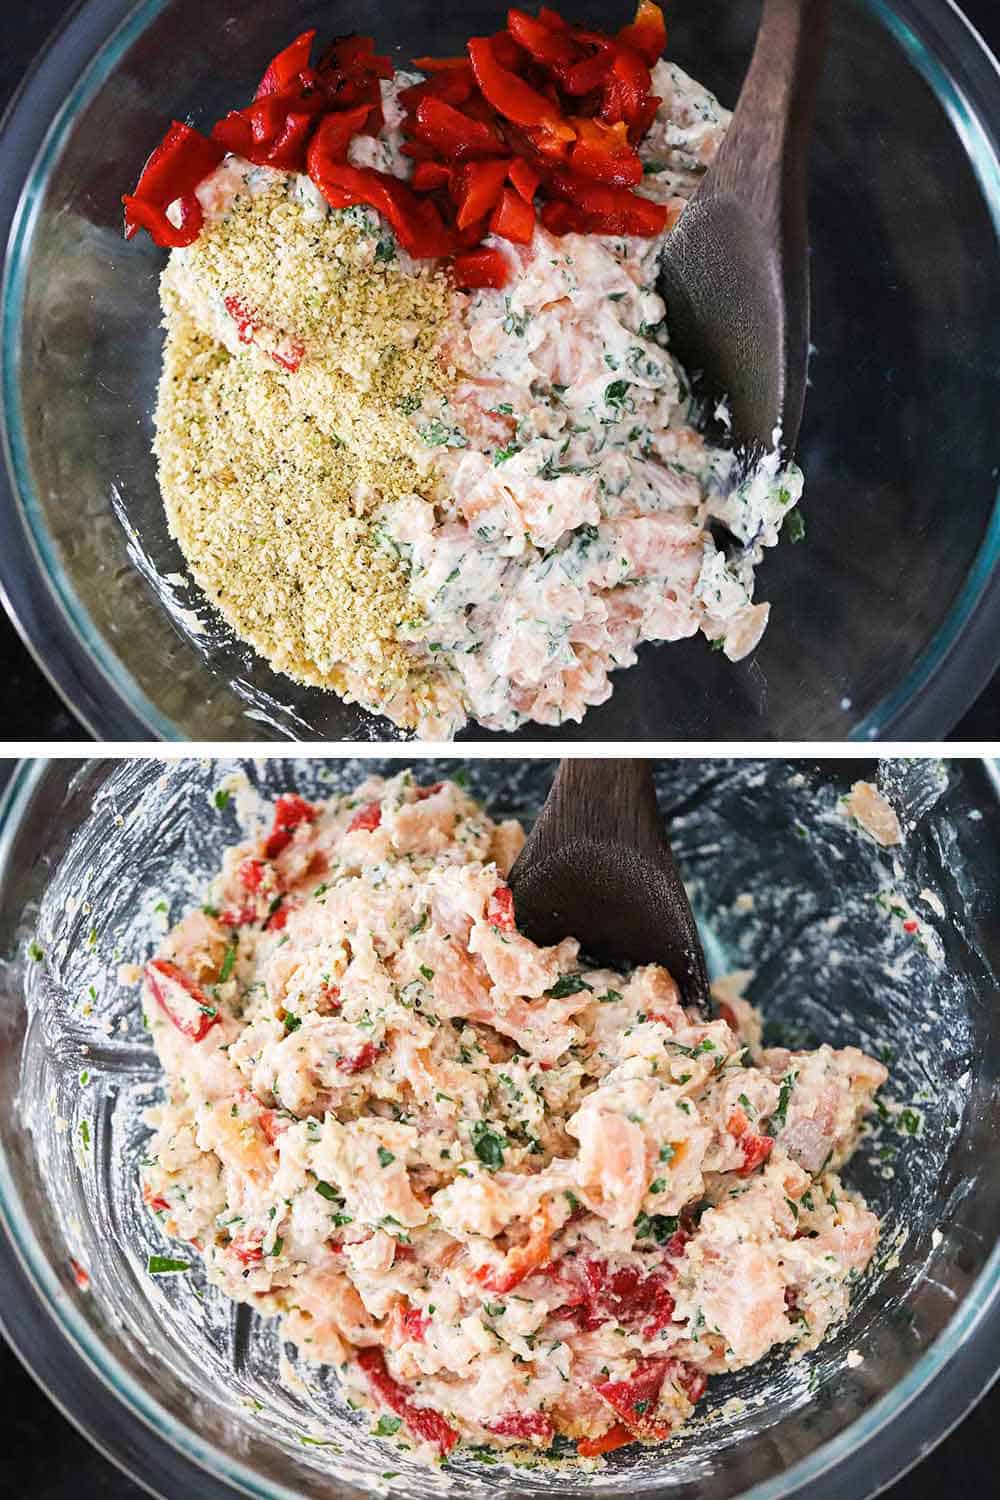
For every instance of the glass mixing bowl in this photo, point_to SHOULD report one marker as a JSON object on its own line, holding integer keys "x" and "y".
{"x": 885, "y": 622}
{"x": 181, "y": 1386}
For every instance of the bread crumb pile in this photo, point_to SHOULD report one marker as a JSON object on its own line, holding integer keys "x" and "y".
{"x": 273, "y": 478}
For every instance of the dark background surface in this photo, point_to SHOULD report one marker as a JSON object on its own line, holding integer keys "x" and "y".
{"x": 42, "y": 1455}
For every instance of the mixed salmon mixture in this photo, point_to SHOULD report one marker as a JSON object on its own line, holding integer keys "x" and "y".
{"x": 509, "y": 1197}
{"x": 445, "y": 501}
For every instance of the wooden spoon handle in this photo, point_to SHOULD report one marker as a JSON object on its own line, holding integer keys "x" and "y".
{"x": 762, "y": 161}
{"x": 613, "y": 801}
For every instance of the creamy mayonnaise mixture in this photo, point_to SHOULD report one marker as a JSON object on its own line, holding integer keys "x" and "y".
{"x": 566, "y": 499}
{"x": 508, "y": 1196}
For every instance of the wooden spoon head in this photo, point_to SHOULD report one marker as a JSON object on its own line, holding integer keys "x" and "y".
{"x": 598, "y": 867}
{"x": 730, "y": 323}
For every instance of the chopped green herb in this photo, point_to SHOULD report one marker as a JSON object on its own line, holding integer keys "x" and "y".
{"x": 488, "y": 1144}
{"x": 385, "y": 1157}
{"x": 222, "y": 799}
{"x": 162, "y": 1265}
{"x": 568, "y": 984}
{"x": 386, "y": 1426}
{"x": 34, "y": 952}
{"x": 227, "y": 963}
{"x": 292, "y": 1022}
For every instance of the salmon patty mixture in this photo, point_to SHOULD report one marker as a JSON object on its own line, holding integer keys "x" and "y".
{"x": 509, "y": 1197}
{"x": 452, "y": 501}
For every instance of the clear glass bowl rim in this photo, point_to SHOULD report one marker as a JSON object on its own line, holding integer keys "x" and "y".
{"x": 35, "y": 588}
{"x": 866, "y": 1457}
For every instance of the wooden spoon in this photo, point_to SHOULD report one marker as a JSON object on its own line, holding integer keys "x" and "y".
{"x": 598, "y": 866}
{"x": 735, "y": 273}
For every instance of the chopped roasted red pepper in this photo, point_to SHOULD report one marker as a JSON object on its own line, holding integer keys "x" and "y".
{"x": 513, "y": 218}
{"x": 423, "y": 792}
{"x": 420, "y": 1420}
{"x": 500, "y": 909}
{"x": 158, "y": 1205}
{"x": 287, "y": 65}
{"x": 250, "y": 1254}
{"x": 545, "y": 43}
{"x": 416, "y": 221}
{"x": 526, "y": 96}
{"x": 366, "y": 819}
{"x": 428, "y": 175}
{"x": 180, "y": 162}
{"x": 617, "y": 1436}
{"x": 510, "y": 96}
{"x": 634, "y": 1400}
{"x": 532, "y": 1426}
{"x": 481, "y": 268}
{"x": 525, "y": 177}
{"x": 647, "y": 34}
{"x": 626, "y": 88}
{"x": 627, "y": 1295}
{"x": 478, "y": 187}
{"x": 250, "y": 873}
{"x": 456, "y": 136}
{"x": 756, "y": 1150}
{"x": 278, "y": 919}
{"x": 613, "y": 210}
{"x": 290, "y": 812}
{"x": 619, "y": 171}
{"x": 415, "y": 1324}
{"x": 182, "y": 1001}
{"x": 360, "y": 1060}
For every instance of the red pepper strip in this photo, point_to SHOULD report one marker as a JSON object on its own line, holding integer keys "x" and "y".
{"x": 368, "y": 818}
{"x": 478, "y": 187}
{"x": 510, "y": 96}
{"x": 141, "y": 215}
{"x": 439, "y": 64}
{"x": 546, "y": 44}
{"x": 423, "y": 792}
{"x": 602, "y": 166}
{"x": 161, "y": 975}
{"x": 416, "y": 221}
{"x": 611, "y": 210}
{"x": 617, "y": 1436}
{"x": 456, "y": 85}
{"x": 530, "y": 1425}
{"x": 428, "y": 175}
{"x": 553, "y": 19}
{"x": 500, "y": 909}
{"x": 453, "y": 134}
{"x": 626, "y": 89}
{"x": 286, "y": 66}
{"x": 590, "y": 73}
{"x": 507, "y": 52}
{"x": 354, "y": 56}
{"x": 513, "y": 219}
{"x": 182, "y": 160}
{"x": 525, "y": 177}
{"x": 290, "y": 811}
{"x": 421, "y": 1421}
{"x": 339, "y": 129}
{"x": 647, "y": 34}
